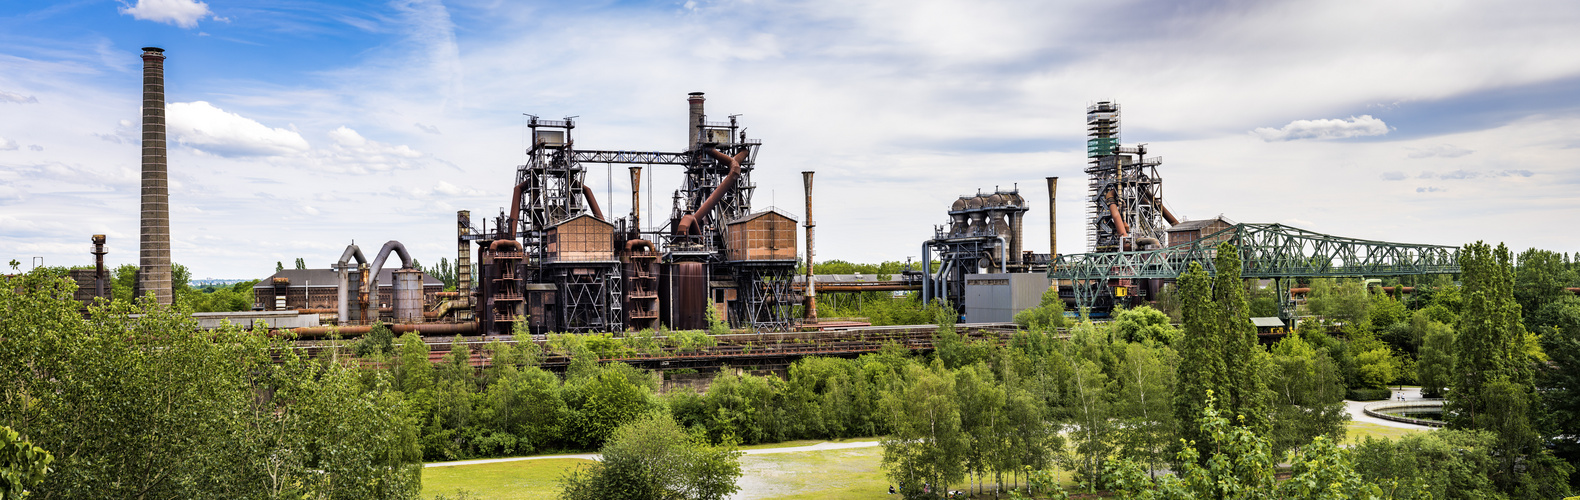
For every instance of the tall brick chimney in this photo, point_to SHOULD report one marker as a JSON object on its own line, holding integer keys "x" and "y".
{"x": 154, "y": 258}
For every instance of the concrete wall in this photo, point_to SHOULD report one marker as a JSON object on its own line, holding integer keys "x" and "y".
{"x": 992, "y": 298}
{"x": 246, "y": 319}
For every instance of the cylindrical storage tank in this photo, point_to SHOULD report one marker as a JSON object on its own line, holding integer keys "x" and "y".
{"x": 408, "y": 295}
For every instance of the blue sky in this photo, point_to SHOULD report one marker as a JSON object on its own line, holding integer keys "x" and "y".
{"x": 297, "y": 126}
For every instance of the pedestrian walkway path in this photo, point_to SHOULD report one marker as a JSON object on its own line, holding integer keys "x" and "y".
{"x": 1357, "y": 410}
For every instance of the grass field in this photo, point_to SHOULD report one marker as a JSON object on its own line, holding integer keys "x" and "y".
{"x": 1358, "y": 431}
{"x": 833, "y": 474}
{"x": 525, "y": 479}
{"x": 850, "y": 474}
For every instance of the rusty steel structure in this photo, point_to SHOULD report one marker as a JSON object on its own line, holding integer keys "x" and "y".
{"x": 154, "y": 250}
{"x": 984, "y": 232}
{"x": 1125, "y": 195}
{"x": 554, "y": 262}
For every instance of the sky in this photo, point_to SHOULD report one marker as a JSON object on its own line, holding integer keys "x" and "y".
{"x": 298, "y": 127}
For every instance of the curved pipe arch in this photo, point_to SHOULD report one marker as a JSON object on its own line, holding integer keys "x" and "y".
{"x": 372, "y": 278}
{"x": 691, "y": 223}
{"x": 592, "y": 203}
{"x": 343, "y": 298}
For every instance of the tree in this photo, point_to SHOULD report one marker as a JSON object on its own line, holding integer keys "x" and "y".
{"x": 22, "y": 465}
{"x": 1435, "y": 363}
{"x": 1308, "y": 394}
{"x": 138, "y": 402}
{"x": 1559, "y": 379}
{"x": 1493, "y": 388}
{"x": 1047, "y": 316}
{"x": 279, "y": 266}
{"x": 1144, "y": 324}
{"x": 927, "y": 447}
{"x": 1146, "y": 380}
{"x": 1541, "y": 276}
{"x": 300, "y": 263}
{"x": 1344, "y": 301}
{"x": 653, "y": 458}
{"x": 1486, "y": 344}
{"x": 1220, "y": 351}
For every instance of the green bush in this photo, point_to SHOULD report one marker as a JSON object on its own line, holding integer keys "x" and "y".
{"x": 1368, "y": 394}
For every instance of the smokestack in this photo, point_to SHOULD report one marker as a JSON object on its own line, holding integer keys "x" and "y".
{"x": 463, "y": 258}
{"x": 154, "y": 258}
{"x": 694, "y": 121}
{"x": 636, "y": 201}
{"x": 811, "y": 284}
{"x": 98, "y": 265}
{"x": 1053, "y": 218}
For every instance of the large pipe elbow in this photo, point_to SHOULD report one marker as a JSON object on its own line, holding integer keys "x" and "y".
{"x": 515, "y": 209}
{"x": 632, "y": 246}
{"x": 352, "y": 252}
{"x": 691, "y": 223}
{"x": 592, "y": 202}
{"x": 503, "y": 245}
{"x": 372, "y": 278}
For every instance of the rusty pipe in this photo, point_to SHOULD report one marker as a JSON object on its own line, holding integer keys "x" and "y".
{"x": 690, "y": 222}
{"x": 811, "y": 274}
{"x": 1167, "y": 215}
{"x": 423, "y": 328}
{"x": 631, "y": 245}
{"x": 636, "y": 200}
{"x": 515, "y": 209}
{"x": 1119, "y": 221}
{"x": 501, "y": 245}
{"x": 592, "y": 203}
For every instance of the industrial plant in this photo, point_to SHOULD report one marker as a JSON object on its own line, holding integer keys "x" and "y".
{"x": 554, "y": 261}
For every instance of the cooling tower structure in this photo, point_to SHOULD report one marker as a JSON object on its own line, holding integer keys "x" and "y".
{"x": 154, "y": 259}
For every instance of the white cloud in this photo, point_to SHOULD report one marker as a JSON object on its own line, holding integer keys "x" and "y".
{"x": 1439, "y": 151}
{"x": 352, "y": 153}
{"x": 454, "y": 190}
{"x": 17, "y": 98}
{"x": 1393, "y": 176}
{"x": 35, "y": 147}
{"x": 200, "y": 125}
{"x": 183, "y": 13}
{"x": 7, "y": 144}
{"x": 1361, "y": 126}
{"x": 432, "y": 129}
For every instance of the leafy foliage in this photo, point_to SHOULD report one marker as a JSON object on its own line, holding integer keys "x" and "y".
{"x": 652, "y": 457}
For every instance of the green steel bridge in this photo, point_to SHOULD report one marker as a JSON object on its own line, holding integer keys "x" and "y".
{"x": 1267, "y": 251}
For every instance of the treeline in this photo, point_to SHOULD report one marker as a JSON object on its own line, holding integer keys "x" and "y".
{"x": 151, "y": 407}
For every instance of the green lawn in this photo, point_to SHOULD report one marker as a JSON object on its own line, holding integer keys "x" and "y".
{"x": 1360, "y": 430}
{"x": 525, "y": 479}
{"x": 833, "y": 474}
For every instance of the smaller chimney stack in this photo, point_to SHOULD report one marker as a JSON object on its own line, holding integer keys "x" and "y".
{"x": 811, "y": 283}
{"x": 694, "y": 121}
{"x": 1053, "y": 218}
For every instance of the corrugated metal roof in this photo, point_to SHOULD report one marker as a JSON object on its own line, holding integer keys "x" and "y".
{"x": 770, "y": 210}
{"x": 587, "y": 215}
{"x": 1269, "y": 322}
{"x": 1192, "y": 225}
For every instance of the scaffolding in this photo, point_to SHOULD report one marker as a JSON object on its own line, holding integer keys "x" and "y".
{"x": 1124, "y": 192}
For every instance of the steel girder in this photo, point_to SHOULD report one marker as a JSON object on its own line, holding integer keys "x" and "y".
{"x": 1266, "y": 251}
{"x": 639, "y": 157}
